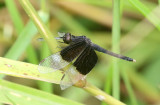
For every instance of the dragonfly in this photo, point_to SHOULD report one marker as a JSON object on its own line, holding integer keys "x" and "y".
{"x": 78, "y": 58}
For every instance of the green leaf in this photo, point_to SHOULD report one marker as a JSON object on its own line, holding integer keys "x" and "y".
{"x": 21, "y": 95}
{"x": 27, "y": 70}
{"x": 24, "y": 38}
{"x": 150, "y": 15}
{"x": 41, "y": 27}
{"x": 15, "y": 15}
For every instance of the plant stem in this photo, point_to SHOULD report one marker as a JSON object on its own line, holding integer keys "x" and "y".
{"x": 27, "y": 70}
{"x": 15, "y": 16}
{"x": 102, "y": 96}
{"x": 129, "y": 87}
{"x": 115, "y": 48}
{"x": 146, "y": 12}
{"x": 42, "y": 28}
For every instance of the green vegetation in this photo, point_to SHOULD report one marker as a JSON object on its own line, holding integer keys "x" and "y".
{"x": 129, "y": 27}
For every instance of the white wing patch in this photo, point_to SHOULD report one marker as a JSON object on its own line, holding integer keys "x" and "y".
{"x": 70, "y": 77}
{"x": 52, "y": 63}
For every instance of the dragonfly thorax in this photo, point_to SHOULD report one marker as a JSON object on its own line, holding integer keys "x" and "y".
{"x": 68, "y": 39}
{"x": 87, "y": 40}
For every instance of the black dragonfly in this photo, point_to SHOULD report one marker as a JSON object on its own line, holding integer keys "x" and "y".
{"x": 78, "y": 58}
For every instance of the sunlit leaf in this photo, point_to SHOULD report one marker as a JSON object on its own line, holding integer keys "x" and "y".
{"x": 27, "y": 70}
{"x": 12, "y": 93}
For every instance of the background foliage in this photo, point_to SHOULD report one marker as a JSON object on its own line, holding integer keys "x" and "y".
{"x": 134, "y": 83}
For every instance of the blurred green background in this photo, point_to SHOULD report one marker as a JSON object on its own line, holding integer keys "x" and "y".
{"x": 139, "y": 83}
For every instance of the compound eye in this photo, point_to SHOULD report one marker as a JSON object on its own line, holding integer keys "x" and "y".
{"x": 67, "y": 38}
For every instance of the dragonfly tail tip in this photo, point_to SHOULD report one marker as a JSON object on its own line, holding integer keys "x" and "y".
{"x": 134, "y": 60}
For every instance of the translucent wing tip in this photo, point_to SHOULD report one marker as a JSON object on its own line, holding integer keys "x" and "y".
{"x": 61, "y": 34}
{"x": 44, "y": 70}
{"x": 52, "y": 63}
{"x": 63, "y": 87}
{"x": 57, "y": 38}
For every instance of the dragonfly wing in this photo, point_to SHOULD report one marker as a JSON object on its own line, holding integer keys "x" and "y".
{"x": 86, "y": 61}
{"x": 70, "y": 77}
{"x": 61, "y": 34}
{"x": 71, "y": 52}
{"x": 52, "y": 63}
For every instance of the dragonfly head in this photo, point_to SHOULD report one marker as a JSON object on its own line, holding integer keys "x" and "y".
{"x": 67, "y": 38}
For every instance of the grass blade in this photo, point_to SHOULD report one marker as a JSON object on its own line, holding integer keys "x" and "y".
{"x": 42, "y": 28}
{"x": 24, "y": 39}
{"x": 129, "y": 87}
{"x": 151, "y": 16}
{"x": 115, "y": 48}
{"x": 21, "y": 95}
{"x": 15, "y": 16}
{"x": 27, "y": 70}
